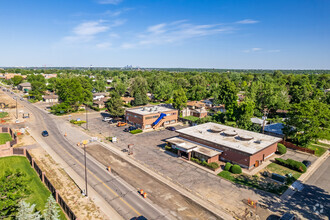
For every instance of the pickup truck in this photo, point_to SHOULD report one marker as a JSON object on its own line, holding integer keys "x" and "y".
{"x": 107, "y": 119}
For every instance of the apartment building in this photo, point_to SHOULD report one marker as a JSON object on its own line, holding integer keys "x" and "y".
{"x": 151, "y": 117}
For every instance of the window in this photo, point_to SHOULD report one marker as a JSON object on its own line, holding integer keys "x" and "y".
{"x": 148, "y": 126}
{"x": 172, "y": 121}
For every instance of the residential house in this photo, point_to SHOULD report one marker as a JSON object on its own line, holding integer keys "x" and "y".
{"x": 127, "y": 100}
{"x": 50, "y": 98}
{"x": 100, "y": 103}
{"x": 258, "y": 121}
{"x": 99, "y": 96}
{"x": 25, "y": 87}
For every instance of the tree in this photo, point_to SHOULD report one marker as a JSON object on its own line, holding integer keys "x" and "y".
{"x": 139, "y": 88}
{"x": 26, "y": 212}
{"x": 307, "y": 121}
{"x": 197, "y": 93}
{"x": 163, "y": 91}
{"x": 37, "y": 89}
{"x": 245, "y": 113}
{"x": 226, "y": 93}
{"x": 51, "y": 211}
{"x": 140, "y": 98}
{"x": 13, "y": 188}
{"x": 120, "y": 88}
{"x": 115, "y": 105}
{"x": 179, "y": 99}
{"x": 16, "y": 80}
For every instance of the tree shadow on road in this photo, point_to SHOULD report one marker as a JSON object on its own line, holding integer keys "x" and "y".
{"x": 311, "y": 203}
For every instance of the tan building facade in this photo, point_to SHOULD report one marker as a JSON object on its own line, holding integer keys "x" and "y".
{"x": 245, "y": 148}
{"x": 151, "y": 117}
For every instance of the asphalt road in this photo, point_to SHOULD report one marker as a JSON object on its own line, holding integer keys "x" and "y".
{"x": 122, "y": 197}
{"x": 321, "y": 177}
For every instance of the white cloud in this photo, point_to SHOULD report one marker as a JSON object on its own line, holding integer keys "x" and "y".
{"x": 90, "y": 28}
{"x": 110, "y": 2}
{"x": 104, "y": 45}
{"x": 256, "y": 49}
{"x": 177, "y": 31}
{"x": 247, "y": 21}
{"x": 87, "y": 31}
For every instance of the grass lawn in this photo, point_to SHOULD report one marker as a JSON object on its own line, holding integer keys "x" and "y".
{"x": 4, "y": 137}
{"x": 39, "y": 192}
{"x": 323, "y": 144}
{"x": 191, "y": 118}
{"x": 3, "y": 114}
{"x": 319, "y": 151}
{"x": 276, "y": 168}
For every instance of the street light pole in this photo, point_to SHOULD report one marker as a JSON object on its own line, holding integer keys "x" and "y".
{"x": 16, "y": 109}
{"x": 84, "y": 143}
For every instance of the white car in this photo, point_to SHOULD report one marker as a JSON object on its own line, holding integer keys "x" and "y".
{"x": 107, "y": 119}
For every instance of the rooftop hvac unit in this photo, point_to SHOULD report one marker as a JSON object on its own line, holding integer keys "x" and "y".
{"x": 144, "y": 108}
{"x": 150, "y": 110}
{"x": 258, "y": 141}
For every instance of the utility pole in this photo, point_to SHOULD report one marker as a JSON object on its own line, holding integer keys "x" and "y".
{"x": 263, "y": 124}
{"x": 16, "y": 109}
{"x": 84, "y": 143}
{"x": 86, "y": 117}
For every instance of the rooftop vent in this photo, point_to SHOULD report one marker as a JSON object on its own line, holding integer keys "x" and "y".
{"x": 258, "y": 142}
{"x": 245, "y": 137}
{"x": 216, "y": 129}
{"x": 230, "y": 133}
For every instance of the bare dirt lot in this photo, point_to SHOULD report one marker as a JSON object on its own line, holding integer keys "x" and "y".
{"x": 179, "y": 206}
{"x": 82, "y": 207}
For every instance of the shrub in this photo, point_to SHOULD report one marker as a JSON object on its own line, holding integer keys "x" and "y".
{"x": 195, "y": 160}
{"x": 228, "y": 166}
{"x": 136, "y": 131}
{"x": 292, "y": 164}
{"x": 236, "y": 169}
{"x": 227, "y": 175}
{"x": 3, "y": 114}
{"x": 213, "y": 165}
{"x": 281, "y": 149}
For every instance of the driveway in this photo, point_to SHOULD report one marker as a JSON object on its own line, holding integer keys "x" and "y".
{"x": 299, "y": 156}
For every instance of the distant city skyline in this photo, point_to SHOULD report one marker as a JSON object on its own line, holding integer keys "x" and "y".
{"x": 237, "y": 34}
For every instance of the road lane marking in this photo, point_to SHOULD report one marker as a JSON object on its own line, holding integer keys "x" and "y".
{"x": 111, "y": 190}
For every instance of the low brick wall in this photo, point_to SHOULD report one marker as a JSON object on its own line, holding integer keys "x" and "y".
{"x": 8, "y": 144}
{"x": 295, "y": 147}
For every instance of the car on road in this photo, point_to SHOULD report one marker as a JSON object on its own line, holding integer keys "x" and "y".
{"x": 171, "y": 128}
{"x": 106, "y": 119}
{"x": 45, "y": 133}
{"x": 307, "y": 163}
{"x": 21, "y": 99}
{"x": 130, "y": 128}
{"x": 121, "y": 124}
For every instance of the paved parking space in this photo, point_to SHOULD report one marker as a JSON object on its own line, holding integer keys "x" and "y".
{"x": 299, "y": 156}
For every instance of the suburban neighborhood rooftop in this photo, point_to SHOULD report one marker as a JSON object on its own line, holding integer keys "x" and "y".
{"x": 238, "y": 139}
{"x": 146, "y": 110}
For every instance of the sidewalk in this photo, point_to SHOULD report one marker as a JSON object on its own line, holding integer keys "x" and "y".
{"x": 304, "y": 177}
{"x": 76, "y": 135}
{"x": 93, "y": 195}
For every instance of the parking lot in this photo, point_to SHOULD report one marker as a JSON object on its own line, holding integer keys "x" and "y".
{"x": 149, "y": 150}
{"x": 299, "y": 156}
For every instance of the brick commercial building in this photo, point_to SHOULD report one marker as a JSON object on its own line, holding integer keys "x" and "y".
{"x": 213, "y": 142}
{"x": 151, "y": 117}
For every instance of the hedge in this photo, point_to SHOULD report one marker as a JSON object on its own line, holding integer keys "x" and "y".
{"x": 212, "y": 166}
{"x": 228, "y": 166}
{"x": 136, "y": 131}
{"x": 281, "y": 149}
{"x": 77, "y": 122}
{"x": 292, "y": 164}
{"x": 236, "y": 169}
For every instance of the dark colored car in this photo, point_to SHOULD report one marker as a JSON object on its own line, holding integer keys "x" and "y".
{"x": 45, "y": 133}
{"x": 171, "y": 128}
{"x": 307, "y": 163}
{"x": 288, "y": 216}
{"x": 131, "y": 128}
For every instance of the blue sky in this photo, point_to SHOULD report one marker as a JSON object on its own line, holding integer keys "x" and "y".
{"x": 272, "y": 34}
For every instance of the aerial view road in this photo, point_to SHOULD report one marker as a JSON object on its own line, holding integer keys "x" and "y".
{"x": 124, "y": 199}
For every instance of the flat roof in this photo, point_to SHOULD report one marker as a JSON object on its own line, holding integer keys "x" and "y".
{"x": 234, "y": 138}
{"x": 193, "y": 146}
{"x": 147, "y": 110}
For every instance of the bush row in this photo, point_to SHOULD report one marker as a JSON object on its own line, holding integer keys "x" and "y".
{"x": 236, "y": 169}
{"x": 292, "y": 164}
{"x": 136, "y": 131}
{"x": 212, "y": 166}
{"x": 77, "y": 122}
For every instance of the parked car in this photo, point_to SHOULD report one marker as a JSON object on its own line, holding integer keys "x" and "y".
{"x": 21, "y": 99}
{"x": 45, "y": 134}
{"x": 120, "y": 124}
{"x": 106, "y": 119}
{"x": 307, "y": 163}
{"x": 288, "y": 216}
{"x": 171, "y": 128}
{"x": 130, "y": 128}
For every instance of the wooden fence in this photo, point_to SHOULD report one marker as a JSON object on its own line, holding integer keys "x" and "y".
{"x": 295, "y": 147}
{"x": 45, "y": 180}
